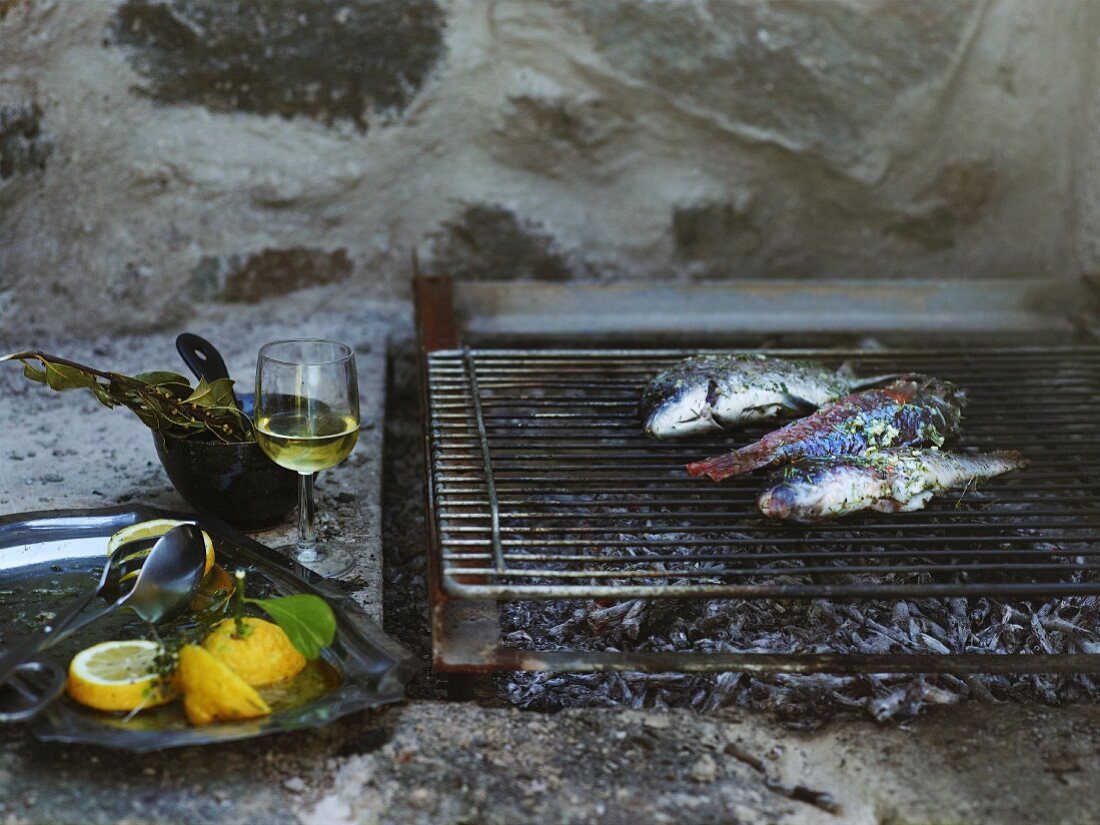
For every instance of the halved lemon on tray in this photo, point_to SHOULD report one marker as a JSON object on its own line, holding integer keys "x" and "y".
{"x": 119, "y": 676}
{"x": 154, "y": 529}
{"x": 262, "y": 655}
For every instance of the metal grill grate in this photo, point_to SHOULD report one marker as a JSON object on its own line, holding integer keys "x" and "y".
{"x": 545, "y": 487}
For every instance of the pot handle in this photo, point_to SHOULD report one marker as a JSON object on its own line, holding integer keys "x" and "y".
{"x": 202, "y": 358}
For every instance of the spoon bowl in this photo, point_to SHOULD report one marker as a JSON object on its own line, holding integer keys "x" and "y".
{"x": 169, "y": 576}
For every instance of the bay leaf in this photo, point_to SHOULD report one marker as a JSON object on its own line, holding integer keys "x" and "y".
{"x": 306, "y": 619}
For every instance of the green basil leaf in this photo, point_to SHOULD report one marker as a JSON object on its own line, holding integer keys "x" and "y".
{"x": 306, "y": 619}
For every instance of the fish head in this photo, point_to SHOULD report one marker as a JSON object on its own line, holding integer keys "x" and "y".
{"x": 948, "y": 391}
{"x": 815, "y": 491}
{"x": 780, "y": 501}
{"x": 678, "y": 406}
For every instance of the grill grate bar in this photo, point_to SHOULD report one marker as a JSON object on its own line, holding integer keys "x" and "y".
{"x": 771, "y": 542}
{"x": 657, "y": 573}
{"x": 828, "y": 555}
{"x": 487, "y": 460}
{"x": 545, "y": 487}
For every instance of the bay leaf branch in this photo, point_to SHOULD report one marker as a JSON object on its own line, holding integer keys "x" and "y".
{"x": 164, "y": 401}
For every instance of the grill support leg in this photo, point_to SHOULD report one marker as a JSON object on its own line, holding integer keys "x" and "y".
{"x": 462, "y": 632}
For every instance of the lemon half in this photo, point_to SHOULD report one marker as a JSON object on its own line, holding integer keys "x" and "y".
{"x": 263, "y": 656}
{"x": 152, "y": 529}
{"x": 118, "y": 676}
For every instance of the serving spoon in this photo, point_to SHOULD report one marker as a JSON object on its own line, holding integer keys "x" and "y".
{"x": 166, "y": 582}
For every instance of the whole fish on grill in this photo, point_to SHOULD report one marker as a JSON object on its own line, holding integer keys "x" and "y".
{"x": 913, "y": 410}
{"x": 890, "y": 481}
{"x": 711, "y": 393}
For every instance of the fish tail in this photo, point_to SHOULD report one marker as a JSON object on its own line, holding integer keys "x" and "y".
{"x": 1014, "y": 457}
{"x": 729, "y": 464}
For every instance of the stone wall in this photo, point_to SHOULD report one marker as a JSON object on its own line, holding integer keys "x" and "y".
{"x": 155, "y": 154}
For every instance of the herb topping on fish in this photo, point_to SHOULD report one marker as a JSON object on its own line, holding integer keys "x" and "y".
{"x": 711, "y": 393}
{"x": 913, "y": 410}
{"x": 890, "y": 481}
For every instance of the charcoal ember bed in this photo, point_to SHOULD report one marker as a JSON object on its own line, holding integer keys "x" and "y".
{"x": 801, "y": 700}
{"x": 622, "y": 550}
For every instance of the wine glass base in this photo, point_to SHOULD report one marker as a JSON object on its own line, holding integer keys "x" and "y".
{"x": 328, "y": 562}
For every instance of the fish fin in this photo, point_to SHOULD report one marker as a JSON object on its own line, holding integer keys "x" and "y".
{"x": 730, "y": 464}
{"x": 766, "y": 409}
{"x": 856, "y": 383}
{"x": 714, "y": 392}
{"x": 847, "y": 372}
{"x": 790, "y": 403}
{"x": 797, "y": 404}
{"x": 886, "y": 505}
{"x": 695, "y": 416}
{"x": 918, "y": 501}
{"x": 1017, "y": 458}
{"x": 724, "y": 423}
{"x": 891, "y": 505}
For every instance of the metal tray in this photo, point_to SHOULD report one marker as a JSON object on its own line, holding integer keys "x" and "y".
{"x": 363, "y": 668}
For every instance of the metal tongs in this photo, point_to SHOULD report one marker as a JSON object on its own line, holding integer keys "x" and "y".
{"x": 156, "y": 585}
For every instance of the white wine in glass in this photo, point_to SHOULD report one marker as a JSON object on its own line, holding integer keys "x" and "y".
{"x": 307, "y": 444}
{"x": 307, "y": 419}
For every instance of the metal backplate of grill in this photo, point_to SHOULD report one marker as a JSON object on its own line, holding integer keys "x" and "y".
{"x": 545, "y": 487}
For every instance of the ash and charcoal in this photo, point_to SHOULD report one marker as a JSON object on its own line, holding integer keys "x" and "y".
{"x": 1031, "y": 525}
{"x": 916, "y": 626}
{"x": 983, "y": 625}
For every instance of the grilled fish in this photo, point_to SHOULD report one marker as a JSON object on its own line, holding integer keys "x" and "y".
{"x": 913, "y": 410}
{"x": 711, "y": 393}
{"x": 890, "y": 481}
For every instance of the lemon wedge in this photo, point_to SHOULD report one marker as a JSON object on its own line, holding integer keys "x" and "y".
{"x": 118, "y": 676}
{"x": 153, "y": 529}
{"x": 262, "y": 655}
{"x": 212, "y": 692}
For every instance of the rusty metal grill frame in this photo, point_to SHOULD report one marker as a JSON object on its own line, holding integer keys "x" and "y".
{"x": 492, "y": 541}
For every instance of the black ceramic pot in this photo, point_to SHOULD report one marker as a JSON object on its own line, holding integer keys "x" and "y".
{"x": 235, "y": 482}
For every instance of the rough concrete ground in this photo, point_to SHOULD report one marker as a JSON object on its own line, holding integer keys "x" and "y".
{"x": 439, "y": 762}
{"x": 64, "y": 450}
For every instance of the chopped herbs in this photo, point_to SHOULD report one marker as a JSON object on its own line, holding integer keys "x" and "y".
{"x": 890, "y": 481}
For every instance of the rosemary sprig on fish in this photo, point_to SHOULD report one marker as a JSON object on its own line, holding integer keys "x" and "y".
{"x": 890, "y": 481}
{"x": 715, "y": 392}
{"x": 913, "y": 410}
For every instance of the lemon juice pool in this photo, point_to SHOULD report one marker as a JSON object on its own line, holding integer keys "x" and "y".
{"x": 307, "y": 443}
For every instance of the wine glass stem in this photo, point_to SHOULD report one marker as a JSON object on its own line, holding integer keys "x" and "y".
{"x": 307, "y": 538}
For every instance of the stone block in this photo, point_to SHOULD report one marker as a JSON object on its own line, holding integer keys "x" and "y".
{"x": 24, "y": 147}
{"x": 952, "y": 202}
{"x": 714, "y": 234}
{"x": 266, "y": 274}
{"x": 552, "y": 133}
{"x": 328, "y": 61}
{"x": 489, "y": 242}
{"x": 8, "y": 6}
{"x": 819, "y": 77}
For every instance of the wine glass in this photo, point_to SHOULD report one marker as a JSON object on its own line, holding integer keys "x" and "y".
{"x": 307, "y": 419}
